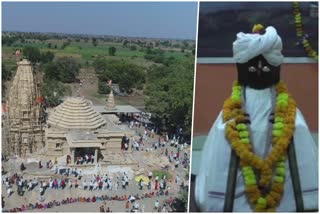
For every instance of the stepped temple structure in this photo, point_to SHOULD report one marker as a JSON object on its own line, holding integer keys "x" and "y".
{"x": 24, "y": 131}
{"x": 76, "y": 129}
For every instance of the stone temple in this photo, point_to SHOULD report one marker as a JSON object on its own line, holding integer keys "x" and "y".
{"x": 24, "y": 131}
{"x": 75, "y": 129}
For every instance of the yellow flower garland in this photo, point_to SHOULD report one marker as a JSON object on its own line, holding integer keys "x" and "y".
{"x": 300, "y": 33}
{"x": 237, "y": 133}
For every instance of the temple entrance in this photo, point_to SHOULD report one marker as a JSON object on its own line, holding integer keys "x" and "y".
{"x": 85, "y": 155}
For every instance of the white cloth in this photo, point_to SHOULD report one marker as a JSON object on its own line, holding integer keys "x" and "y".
{"x": 212, "y": 178}
{"x": 248, "y": 46}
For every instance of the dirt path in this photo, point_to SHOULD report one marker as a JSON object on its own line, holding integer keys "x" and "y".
{"x": 90, "y": 91}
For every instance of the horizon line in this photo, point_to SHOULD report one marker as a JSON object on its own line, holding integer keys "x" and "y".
{"x": 96, "y": 35}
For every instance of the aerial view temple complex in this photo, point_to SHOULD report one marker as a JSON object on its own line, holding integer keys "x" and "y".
{"x": 73, "y": 129}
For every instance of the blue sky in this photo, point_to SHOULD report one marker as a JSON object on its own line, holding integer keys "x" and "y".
{"x": 143, "y": 19}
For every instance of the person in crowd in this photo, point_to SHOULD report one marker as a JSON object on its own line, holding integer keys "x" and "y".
{"x": 156, "y": 185}
{"x": 91, "y": 185}
{"x": 9, "y": 191}
{"x": 156, "y": 205}
{"x": 63, "y": 184}
{"x": 84, "y": 184}
{"x": 102, "y": 209}
{"x": 123, "y": 184}
{"x": 22, "y": 167}
{"x": 140, "y": 184}
{"x": 149, "y": 175}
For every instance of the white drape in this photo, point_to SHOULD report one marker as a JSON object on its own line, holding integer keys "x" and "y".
{"x": 214, "y": 165}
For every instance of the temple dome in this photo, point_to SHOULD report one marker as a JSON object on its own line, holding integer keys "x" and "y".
{"x": 76, "y": 113}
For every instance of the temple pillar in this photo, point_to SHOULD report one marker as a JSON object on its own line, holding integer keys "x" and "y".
{"x": 96, "y": 155}
{"x": 72, "y": 156}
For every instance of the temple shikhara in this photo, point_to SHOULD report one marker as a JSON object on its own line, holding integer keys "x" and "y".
{"x": 24, "y": 131}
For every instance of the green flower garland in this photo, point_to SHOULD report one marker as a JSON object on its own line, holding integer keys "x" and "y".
{"x": 238, "y": 135}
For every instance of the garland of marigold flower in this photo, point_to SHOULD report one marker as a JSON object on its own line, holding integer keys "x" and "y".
{"x": 300, "y": 33}
{"x": 238, "y": 135}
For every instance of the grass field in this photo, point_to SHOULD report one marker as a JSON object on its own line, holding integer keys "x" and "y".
{"x": 85, "y": 51}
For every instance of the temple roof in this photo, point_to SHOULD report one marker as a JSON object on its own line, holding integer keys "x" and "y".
{"x": 76, "y": 113}
{"x": 22, "y": 95}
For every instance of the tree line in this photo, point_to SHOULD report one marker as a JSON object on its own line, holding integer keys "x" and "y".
{"x": 127, "y": 75}
{"x": 169, "y": 92}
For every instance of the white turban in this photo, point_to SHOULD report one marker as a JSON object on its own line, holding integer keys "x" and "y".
{"x": 248, "y": 46}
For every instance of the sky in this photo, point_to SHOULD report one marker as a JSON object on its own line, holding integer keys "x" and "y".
{"x": 176, "y": 20}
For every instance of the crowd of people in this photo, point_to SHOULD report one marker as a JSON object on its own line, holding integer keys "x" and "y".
{"x": 85, "y": 159}
{"x": 97, "y": 183}
{"x": 72, "y": 178}
{"x": 91, "y": 199}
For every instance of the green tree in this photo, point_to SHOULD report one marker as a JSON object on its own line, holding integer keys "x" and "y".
{"x": 47, "y": 57}
{"x": 100, "y": 65}
{"x": 64, "y": 69}
{"x": 125, "y": 43}
{"x": 103, "y": 87}
{"x": 65, "y": 44}
{"x": 169, "y": 93}
{"x": 8, "y": 40}
{"x": 53, "y": 91}
{"x": 169, "y": 60}
{"x": 68, "y": 69}
{"x": 49, "y": 45}
{"x": 112, "y": 51}
{"x": 94, "y": 42}
{"x": 32, "y": 54}
{"x": 150, "y": 45}
{"x": 133, "y": 47}
{"x": 5, "y": 74}
{"x": 156, "y": 55}
{"x": 51, "y": 71}
{"x": 127, "y": 75}
{"x": 185, "y": 44}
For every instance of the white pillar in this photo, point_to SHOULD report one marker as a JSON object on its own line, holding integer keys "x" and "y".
{"x": 72, "y": 156}
{"x": 96, "y": 155}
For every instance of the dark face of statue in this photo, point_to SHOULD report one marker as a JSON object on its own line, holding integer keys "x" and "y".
{"x": 257, "y": 73}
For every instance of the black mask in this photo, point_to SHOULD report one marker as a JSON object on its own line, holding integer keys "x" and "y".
{"x": 257, "y": 73}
